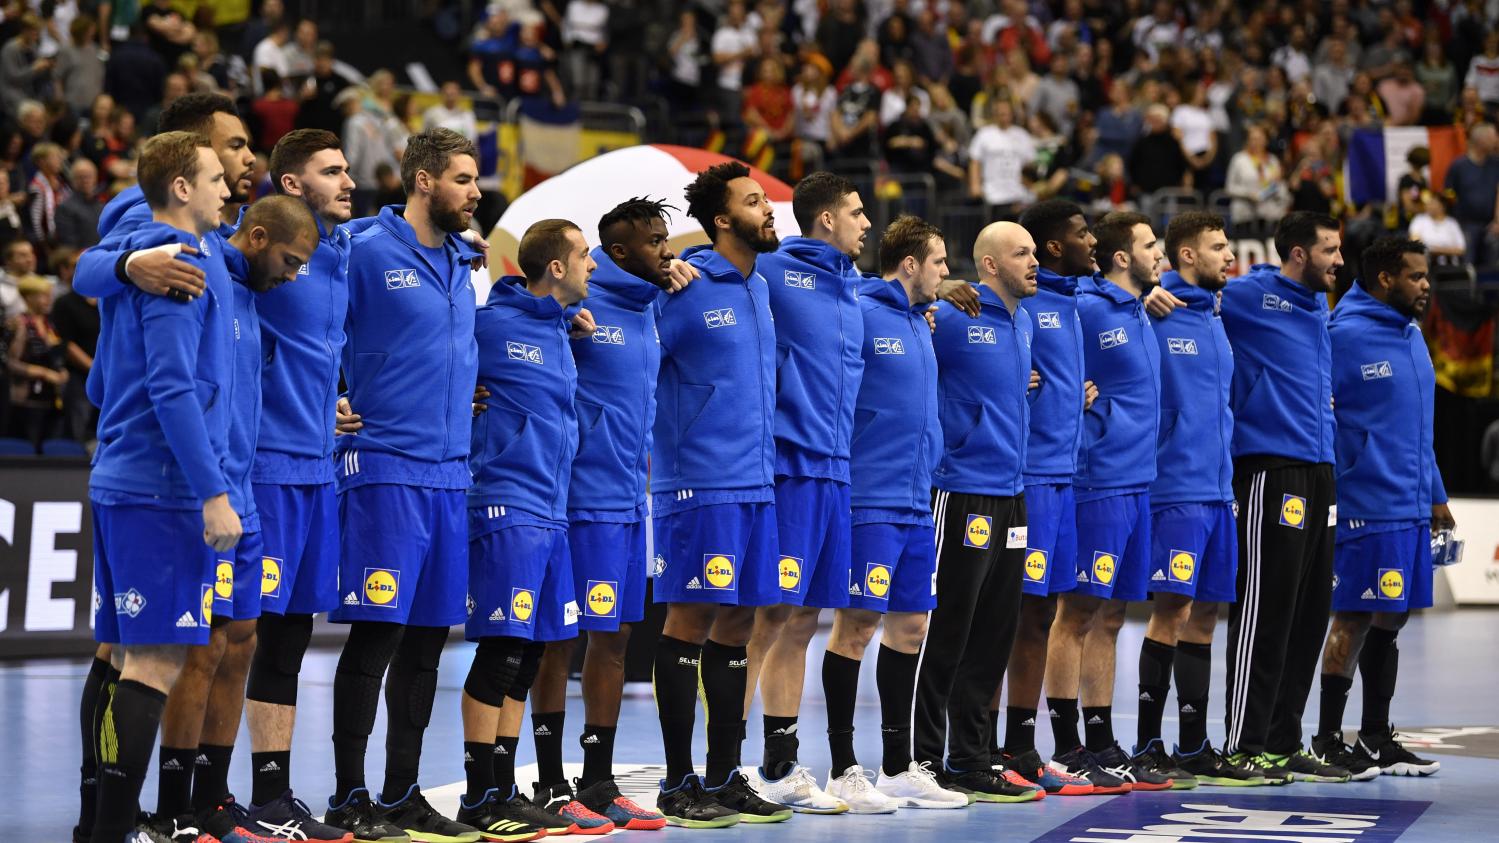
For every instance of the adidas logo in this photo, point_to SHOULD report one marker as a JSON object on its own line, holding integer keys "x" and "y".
{"x": 1189, "y": 709}
{"x": 187, "y": 621}
{"x": 1029, "y": 721}
{"x": 468, "y": 758}
{"x": 498, "y": 614}
{"x": 1368, "y": 594}
{"x": 1082, "y": 576}
{"x": 272, "y": 767}
{"x": 202, "y": 761}
{"x": 499, "y": 749}
{"x": 171, "y": 764}
{"x": 1052, "y": 714}
{"x": 1095, "y": 720}
{"x": 694, "y": 584}
{"x": 542, "y": 731}
{"x": 351, "y": 599}
{"x": 1146, "y": 697}
{"x": 789, "y": 730}
{"x": 855, "y": 591}
{"x": 1158, "y": 576}
{"x": 590, "y": 740}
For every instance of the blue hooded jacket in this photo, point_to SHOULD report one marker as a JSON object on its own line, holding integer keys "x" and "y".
{"x": 410, "y": 360}
{"x": 983, "y": 373}
{"x": 1193, "y": 462}
{"x": 897, "y": 429}
{"x": 616, "y": 405}
{"x": 716, "y": 395}
{"x": 524, "y": 444}
{"x": 814, "y": 296}
{"x": 1121, "y": 357}
{"x": 302, "y": 326}
{"x": 1057, "y": 405}
{"x": 244, "y": 402}
{"x": 163, "y": 379}
{"x": 1385, "y": 386}
{"x": 1282, "y": 398}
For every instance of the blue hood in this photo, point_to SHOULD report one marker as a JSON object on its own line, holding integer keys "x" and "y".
{"x": 1121, "y": 357}
{"x": 1057, "y": 405}
{"x": 1194, "y": 463}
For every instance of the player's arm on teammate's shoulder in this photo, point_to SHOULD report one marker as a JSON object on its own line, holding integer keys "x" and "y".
{"x": 107, "y": 269}
{"x": 582, "y": 325}
{"x": 1159, "y": 302}
{"x": 960, "y": 294}
{"x": 931, "y": 318}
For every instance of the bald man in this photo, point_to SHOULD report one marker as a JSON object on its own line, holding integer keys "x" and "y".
{"x": 984, "y": 371}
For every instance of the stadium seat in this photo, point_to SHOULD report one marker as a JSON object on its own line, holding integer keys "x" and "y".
{"x": 12, "y": 447}
{"x": 63, "y": 448}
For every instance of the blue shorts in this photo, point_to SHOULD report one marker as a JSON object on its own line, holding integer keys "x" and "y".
{"x": 405, "y": 555}
{"x": 1194, "y": 551}
{"x": 153, "y": 576}
{"x": 1051, "y": 509}
{"x": 520, "y": 578}
{"x": 608, "y": 573}
{"x": 299, "y": 528}
{"x": 718, "y": 553}
{"x": 1113, "y": 546}
{"x": 237, "y": 576}
{"x": 894, "y": 568}
{"x": 812, "y": 523}
{"x": 1382, "y": 566}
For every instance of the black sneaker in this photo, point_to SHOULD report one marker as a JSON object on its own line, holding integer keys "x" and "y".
{"x": 947, "y": 781}
{"x": 603, "y": 798}
{"x": 1272, "y": 767}
{"x": 148, "y": 831}
{"x": 360, "y": 816}
{"x": 495, "y": 821}
{"x": 1052, "y": 781}
{"x": 989, "y": 786}
{"x": 183, "y": 829}
{"x": 689, "y": 806}
{"x": 421, "y": 821}
{"x": 1155, "y": 758}
{"x": 1209, "y": 766}
{"x": 1079, "y": 762}
{"x": 522, "y": 808}
{"x": 1303, "y": 766}
{"x": 1392, "y": 758}
{"x": 1331, "y": 749}
{"x": 287, "y": 817}
{"x": 737, "y": 795}
{"x": 1139, "y": 776}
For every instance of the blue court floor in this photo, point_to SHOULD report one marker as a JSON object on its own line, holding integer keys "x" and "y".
{"x": 1448, "y": 698}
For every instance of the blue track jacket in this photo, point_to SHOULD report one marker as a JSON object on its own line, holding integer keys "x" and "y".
{"x": 1121, "y": 357}
{"x": 1057, "y": 405}
{"x": 1193, "y": 461}
{"x": 245, "y": 401}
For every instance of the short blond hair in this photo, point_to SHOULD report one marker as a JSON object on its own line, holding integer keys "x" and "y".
{"x": 165, "y": 158}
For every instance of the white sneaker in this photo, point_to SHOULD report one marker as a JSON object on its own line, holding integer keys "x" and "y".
{"x": 855, "y": 788}
{"x": 797, "y": 790}
{"x": 917, "y": 788}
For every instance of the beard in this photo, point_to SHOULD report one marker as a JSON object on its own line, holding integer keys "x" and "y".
{"x": 448, "y": 219}
{"x": 754, "y": 236}
{"x": 1213, "y": 281}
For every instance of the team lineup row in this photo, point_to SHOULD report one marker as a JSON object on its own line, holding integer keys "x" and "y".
{"x": 985, "y": 473}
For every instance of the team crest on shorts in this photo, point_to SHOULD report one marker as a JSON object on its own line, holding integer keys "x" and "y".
{"x": 1103, "y": 568}
{"x": 1391, "y": 583}
{"x": 602, "y": 597}
{"x": 877, "y": 580}
{"x": 522, "y": 604}
{"x": 1035, "y": 565}
{"x": 978, "y": 532}
{"x": 382, "y": 587}
{"x": 1293, "y": 511}
{"x": 270, "y": 576}
{"x": 1183, "y": 566}
{"x": 718, "y": 571}
{"x": 790, "y": 572}
{"x": 223, "y": 579}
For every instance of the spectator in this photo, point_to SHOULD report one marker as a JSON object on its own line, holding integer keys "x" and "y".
{"x": 1013, "y": 30}
{"x": 23, "y": 73}
{"x": 1470, "y": 110}
{"x": 1474, "y": 182}
{"x": 452, "y": 113}
{"x": 854, "y": 130}
{"x": 1380, "y": 59}
{"x": 734, "y": 43}
{"x": 1403, "y": 96}
{"x": 903, "y": 87}
{"x": 1120, "y": 125}
{"x": 966, "y": 80}
{"x": 80, "y": 65}
{"x": 492, "y": 54}
{"x": 1158, "y": 30}
{"x": 1483, "y": 72}
{"x": 300, "y": 53}
{"x": 1332, "y": 78}
{"x": 1058, "y": 96}
{"x": 931, "y": 53}
{"x": 997, "y": 158}
{"x": 169, "y": 34}
{"x": 1194, "y": 124}
{"x": 388, "y": 189}
{"x": 997, "y": 88}
{"x": 531, "y": 70}
{"x": 37, "y": 368}
{"x": 319, "y": 92}
{"x": 839, "y": 33}
{"x": 769, "y": 114}
{"x": 950, "y": 128}
{"x": 1292, "y": 58}
{"x": 814, "y": 100}
{"x": 78, "y": 215}
{"x": 688, "y": 56}
{"x": 366, "y": 145}
{"x": 76, "y": 318}
{"x": 894, "y": 36}
{"x": 176, "y": 85}
{"x": 1023, "y": 81}
{"x": 1441, "y": 233}
{"x": 46, "y": 190}
{"x": 1313, "y": 180}
{"x": 135, "y": 75}
{"x": 910, "y": 144}
{"x": 272, "y": 12}
{"x": 270, "y": 54}
{"x": 10, "y": 215}
{"x": 1257, "y": 185}
{"x": 230, "y": 75}
{"x": 629, "y": 56}
{"x": 869, "y": 52}
{"x": 274, "y": 113}
{"x": 1412, "y": 188}
{"x": 1157, "y": 160}
{"x": 1439, "y": 81}
{"x": 585, "y": 31}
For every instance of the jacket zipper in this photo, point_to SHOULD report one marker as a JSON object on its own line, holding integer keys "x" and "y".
{"x": 920, "y": 491}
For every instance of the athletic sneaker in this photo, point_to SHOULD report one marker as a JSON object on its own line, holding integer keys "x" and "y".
{"x": 1080, "y": 763}
{"x": 183, "y": 829}
{"x": 360, "y": 816}
{"x": 737, "y": 795}
{"x": 147, "y": 832}
{"x": 690, "y": 806}
{"x": 1139, "y": 775}
{"x": 859, "y": 793}
{"x": 917, "y": 787}
{"x": 1210, "y": 766}
{"x": 1006, "y": 787}
{"x": 1273, "y": 768}
{"x": 1303, "y": 766}
{"x": 287, "y": 817}
{"x": 796, "y": 790}
{"x": 603, "y": 797}
{"x": 1155, "y": 758}
{"x": 1330, "y": 748}
{"x": 947, "y": 781}
{"x": 1055, "y": 783}
{"x": 230, "y": 822}
{"x": 495, "y": 821}
{"x": 1392, "y": 758}
{"x": 517, "y": 806}
{"x": 558, "y": 799}
{"x": 422, "y": 822}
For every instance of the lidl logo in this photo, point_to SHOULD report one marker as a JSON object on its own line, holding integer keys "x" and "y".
{"x": 522, "y": 351}
{"x": 1113, "y": 338}
{"x": 609, "y": 335}
{"x": 1181, "y": 345}
{"x": 1293, "y": 512}
{"x": 1049, "y": 320}
{"x": 223, "y": 579}
{"x": 401, "y": 279}
{"x": 889, "y": 345}
{"x": 1391, "y": 583}
{"x": 1376, "y": 371}
{"x": 522, "y": 604}
{"x": 382, "y": 587}
{"x": 791, "y": 573}
{"x": 270, "y": 576}
{"x": 980, "y": 334}
{"x": 1183, "y": 565}
{"x": 801, "y": 280}
{"x": 877, "y": 580}
{"x": 207, "y": 606}
{"x": 1035, "y": 565}
{"x": 602, "y": 597}
{"x": 1103, "y": 568}
{"x": 718, "y": 570}
{"x": 1270, "y": 301}
{"x": 721, "y": 318}
{"x": 978, "y": 533}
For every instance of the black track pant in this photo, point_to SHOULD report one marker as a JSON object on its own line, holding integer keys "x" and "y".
{"x": 968, "y": 640}
{"x": 1276, "y": 629}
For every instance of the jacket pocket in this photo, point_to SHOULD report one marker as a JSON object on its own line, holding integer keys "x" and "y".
{"x": 590, "y": 422}
{"x": 1096, "y": 420}
{"x": 208, "y": 393}
{"x": 959, "y": 420}
{"x": 692, "y": 404}
{"x": 1169, "y": 420}
{"x": 1351, "y": 443}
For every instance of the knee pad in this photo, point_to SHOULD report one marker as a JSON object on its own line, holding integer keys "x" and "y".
{"x": 369, "y": 649}
{"x": 413, "y": 674}
{"x": 283, "y": 640}
{"x": 496, "y": 662}
{"x": 530, "y": 661}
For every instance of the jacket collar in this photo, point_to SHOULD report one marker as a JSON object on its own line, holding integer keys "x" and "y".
{"x": 510, "y": 291}
{"x": 390, "y": 217}
{"x": 609, "y": 278}
{"x": 890, "y": 293}
{"x": 1357, "y": 302}
{"x": 1101, "y": 286}
{"x": 1063, "y": 284}
{"x": 1195, "y": 297}
{"x": 714, "y": 267}
{"x": 236, "y": 262}
{"x": 1296, "y": 292}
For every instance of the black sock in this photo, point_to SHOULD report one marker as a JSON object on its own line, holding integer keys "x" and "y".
{"x": 895, "y": 676}
{"x": 409, "y": 693}
{"x": 1020, "y": 730}
{"x": 478, "y": 768}
{"x": 840, "y": 687}
{"x": 994, "y": 747}
{"x": 1098, "y": 726}
{"x": 546, "y": 730}
{"x": 1155, "y": 684}
{"x": 1379, "y": 663}
{"x": 127, "y": 738}
{"x": 675, "y": 680}
{"x": 174, "y": 780}
{"x": 503, "y": 758}
{"x": 1193, "y": 671}
{"x": 1063, "y": 712}
{"x": 739, "y": 747}
{"x": 356, "y": 699}
{"x": 88, "y": 771}
{"x": 598, "y": 754}
{"x": 781, "y": 744}
{"x": 270, "y": 775}
{"x": 211, "y": 777}
{"x": 723, "y": 676}
{"x": 1334, "y": 702}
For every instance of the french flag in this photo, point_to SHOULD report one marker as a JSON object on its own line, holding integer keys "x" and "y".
{"x": 1376, "y": 159}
